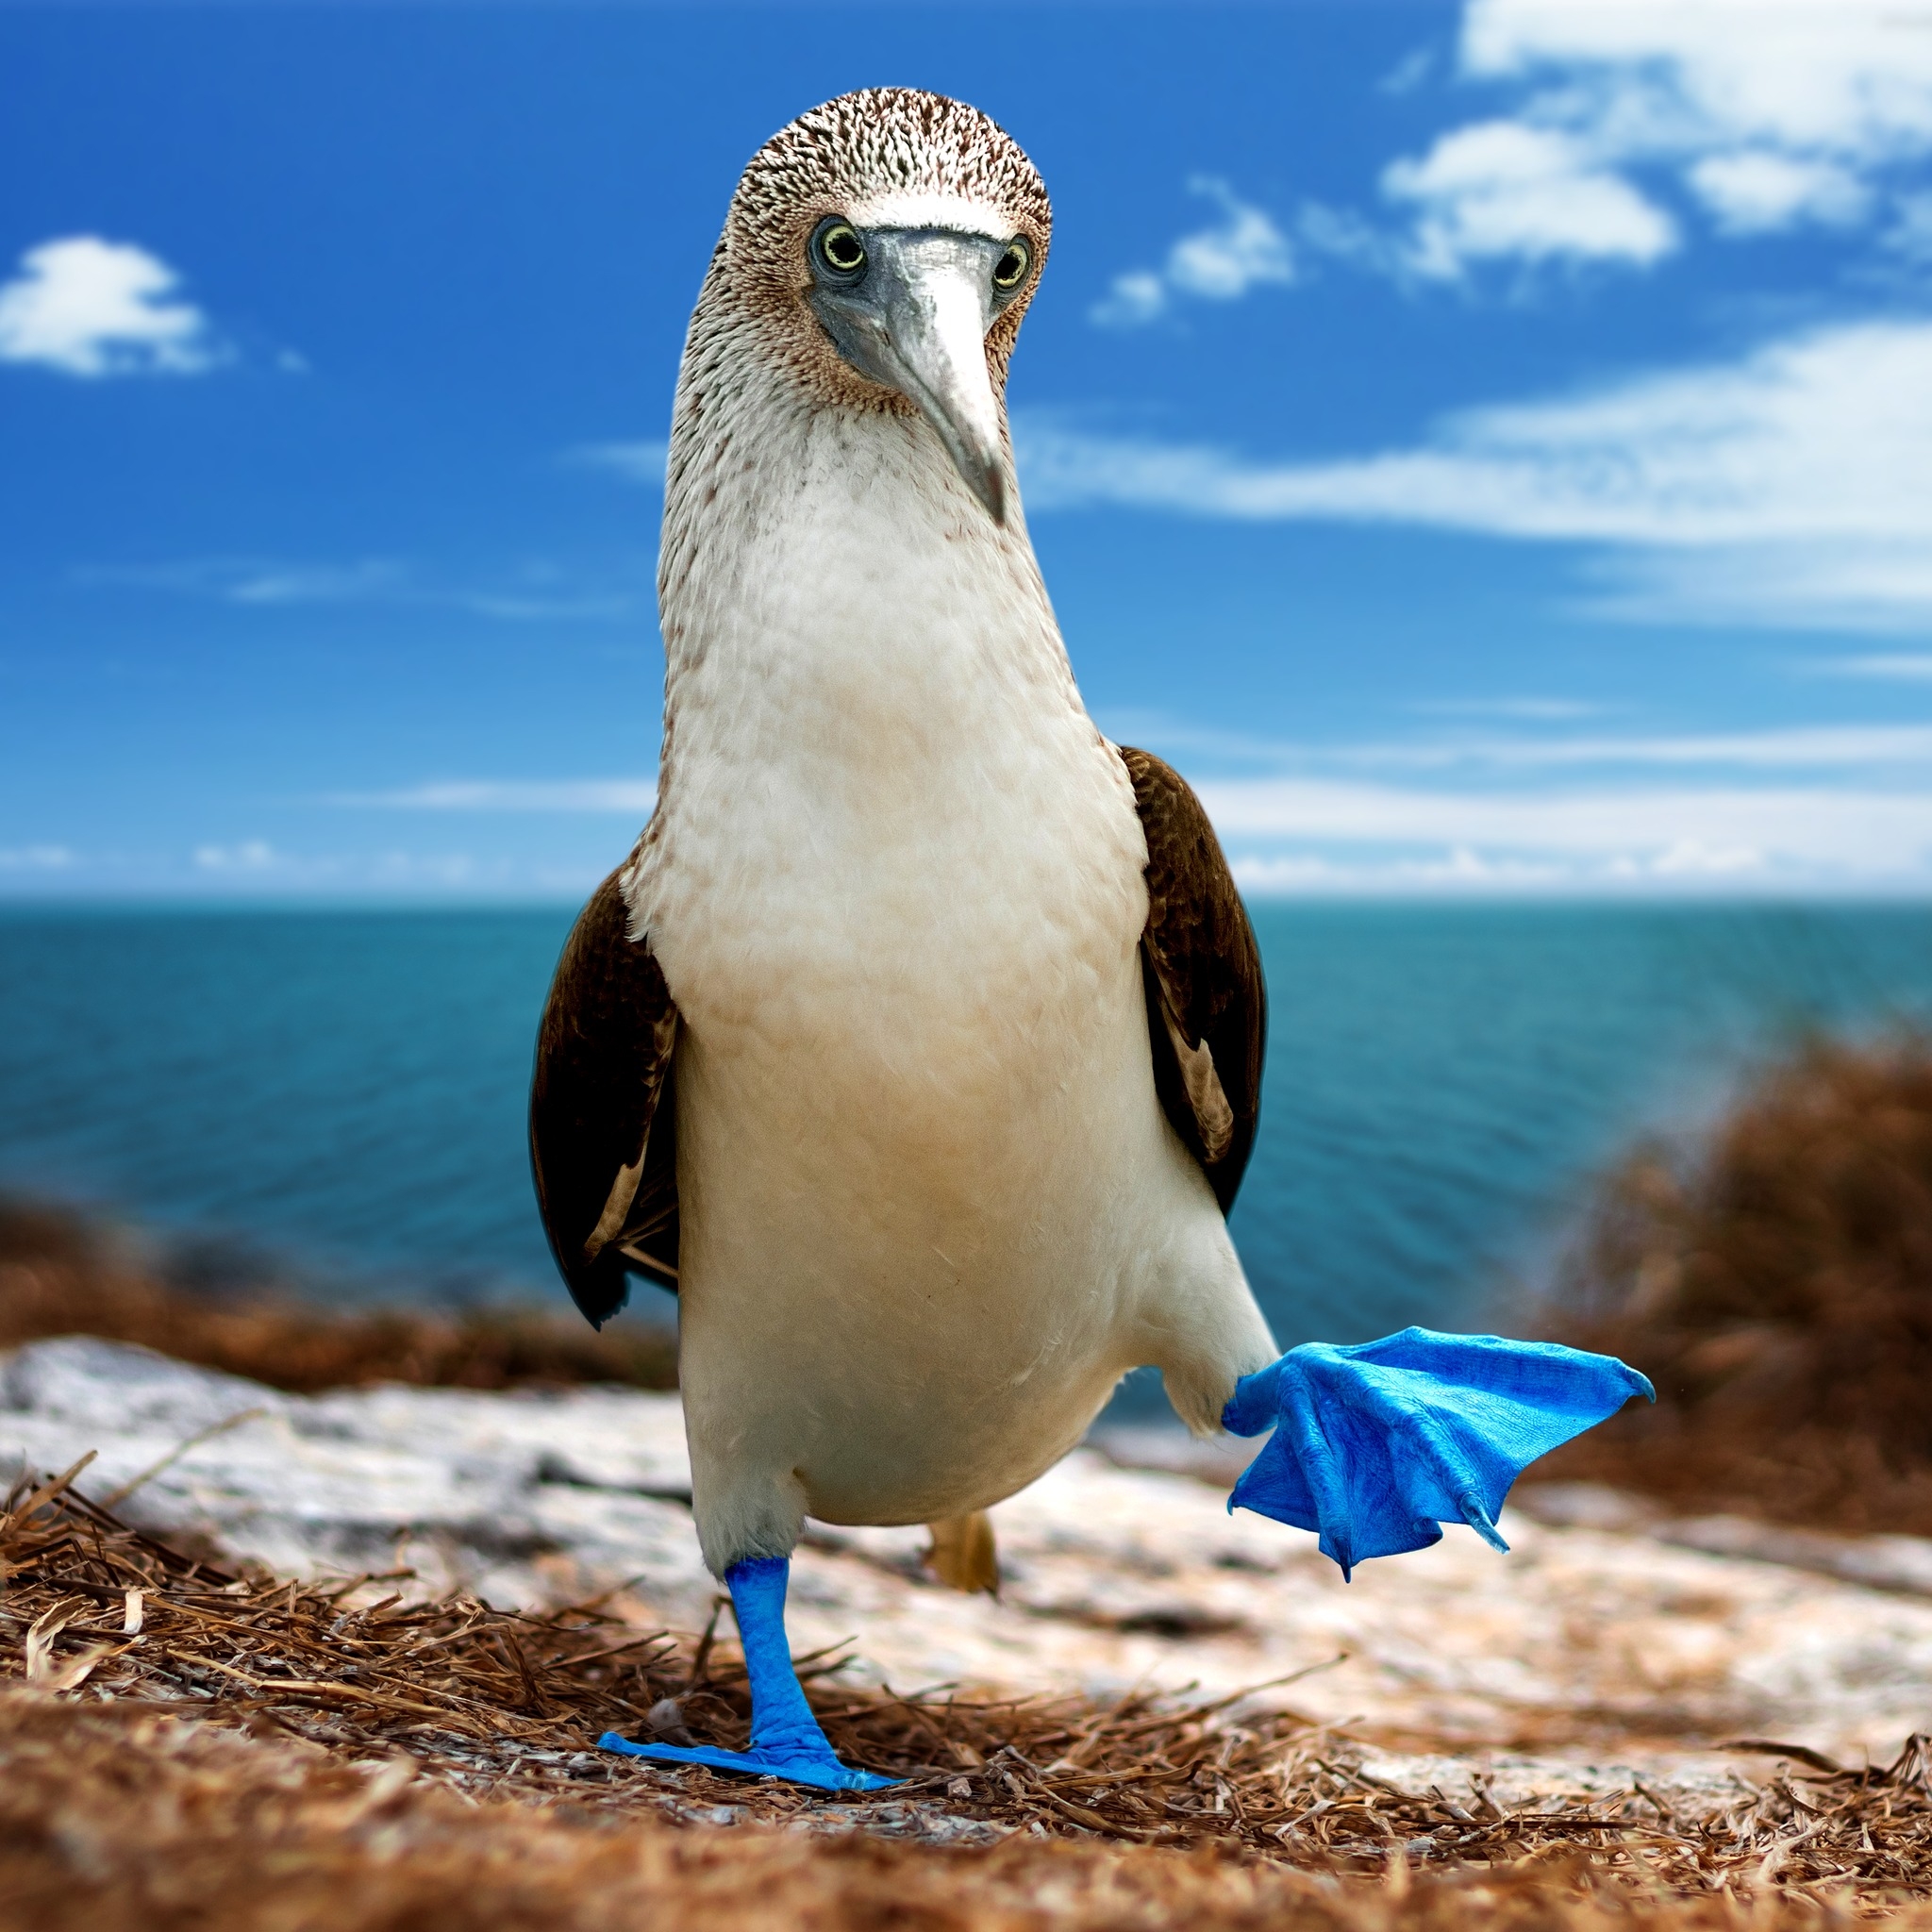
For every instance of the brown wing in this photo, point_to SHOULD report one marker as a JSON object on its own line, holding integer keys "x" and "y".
{"x": 1206, "y": 1005}
{"x": 603, "y": 1122}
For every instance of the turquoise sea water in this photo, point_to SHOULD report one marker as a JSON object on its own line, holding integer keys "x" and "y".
{"x": 345, "y": 1089}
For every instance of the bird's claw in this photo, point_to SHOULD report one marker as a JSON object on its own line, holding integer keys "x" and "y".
{"x": 819, "y": 1770}
{"x": 1376, "y": 1446}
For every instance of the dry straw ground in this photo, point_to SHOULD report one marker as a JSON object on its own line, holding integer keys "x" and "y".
{"x": 484, "y": 1808}
{"x": 115, "y": 1821}
{"x": 350, "y": 1762}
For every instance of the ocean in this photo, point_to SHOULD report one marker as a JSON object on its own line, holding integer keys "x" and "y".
{"x": 340, "y": 1094}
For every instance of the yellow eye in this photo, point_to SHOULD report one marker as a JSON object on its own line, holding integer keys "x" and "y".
{"x": 838, "y": 250}
{"x": 1009, "y": 270}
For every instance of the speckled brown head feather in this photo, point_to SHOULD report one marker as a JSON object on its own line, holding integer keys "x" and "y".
{"x": 757, "y": 361}
{"x": 882, "y": 146}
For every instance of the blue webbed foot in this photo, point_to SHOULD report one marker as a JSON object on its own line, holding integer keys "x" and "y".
{"x": 1377, "y": 1445}
{"x": 819, "y": 1769}
{"x": 785, "y": 1740}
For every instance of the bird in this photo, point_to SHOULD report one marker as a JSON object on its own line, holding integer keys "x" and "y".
{"x": 918, "y": 1042}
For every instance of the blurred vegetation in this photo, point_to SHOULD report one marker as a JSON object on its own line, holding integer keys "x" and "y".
{"x": 1775, "y": 1281}
{"x": 61, "y": 1275}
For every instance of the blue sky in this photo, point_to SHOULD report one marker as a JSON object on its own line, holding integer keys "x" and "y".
{"x": 1487, "y": 446}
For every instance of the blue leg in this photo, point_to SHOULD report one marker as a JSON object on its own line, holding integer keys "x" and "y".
{"x": 785, "y": 1740}
{"x": 1376, "y": 1446}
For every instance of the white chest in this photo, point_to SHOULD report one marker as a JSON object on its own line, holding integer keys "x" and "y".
{"x": 884, "y": 807}
{"x": 895, "y": 881}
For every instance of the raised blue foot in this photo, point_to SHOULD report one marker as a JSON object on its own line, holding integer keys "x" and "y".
{"x": 1376, "y": 1446}
{"x": 785, "y": 1740}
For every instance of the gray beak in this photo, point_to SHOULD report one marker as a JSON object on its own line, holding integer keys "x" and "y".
{"x": 917, "y": 323}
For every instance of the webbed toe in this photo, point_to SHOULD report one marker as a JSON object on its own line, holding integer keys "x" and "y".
{"x": 820, "y": 1771}
{"x": 1376, "y": 1446}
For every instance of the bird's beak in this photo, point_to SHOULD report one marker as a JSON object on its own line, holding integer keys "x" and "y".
{"x": 918, "y": 323}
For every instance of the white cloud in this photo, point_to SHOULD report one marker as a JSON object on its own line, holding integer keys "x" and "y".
{"x": 1832, "y": 582}
{"x": 251, "y": 855}
{"x": 630, "y": 798}
{"x": 90, "y": 308}
{"x": 262, "y": 581}
{"x": 1910, "y": 234}
{"x": 1797, "y": 811}
{"x": 1767, "y": 114}
{"x": 1542, "y": 710}
{"x": 637, "y": 462}
{"x": 1866, "y": 748}
{"x": 1137, "y": 297}
{"x": 1791, "y": 837}
{"x": 537, "y": 607}
{"x": 1903, "y": 667}
{"x": 1501, "y": 189}
{"x": 1244, "y": 250}
{"x": 1410, "y": 71}
{"x": 1851, "y": 78}
{"x": 272, "y": 583}
{"x": 1685, "y": 868}
{"x": 1345, "y": 236}
{"x": 1752, "y": 193}
{"x": 1789, "y": 487}
{"x": 1222, "y": 265}
{"x": 254, "y": 868}
{"x": 541, "y": 594}
{"x": 1849, "y": 747}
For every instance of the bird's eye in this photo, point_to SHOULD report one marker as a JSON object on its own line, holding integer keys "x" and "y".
{"x": 838, "y": 250}
{"x": 1009, "y": 270}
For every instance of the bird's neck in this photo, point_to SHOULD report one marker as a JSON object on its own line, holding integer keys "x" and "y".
{"x": 872, "y": 733}
{"x": 864, "y": 671}
{"x": 825, "y": 570}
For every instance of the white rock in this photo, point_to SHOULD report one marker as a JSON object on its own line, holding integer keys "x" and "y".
{"x": 1115, "y": 1577}
{"x": 523, "y": 1499}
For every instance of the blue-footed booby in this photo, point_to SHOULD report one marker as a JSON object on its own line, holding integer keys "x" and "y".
{"x": 918, "y": 1044}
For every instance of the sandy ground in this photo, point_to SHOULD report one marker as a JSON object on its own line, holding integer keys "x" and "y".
{"x": 1608, "y": 1638}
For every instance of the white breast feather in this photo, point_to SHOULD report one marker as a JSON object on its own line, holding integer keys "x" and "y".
{"x": 929, "y": 1208}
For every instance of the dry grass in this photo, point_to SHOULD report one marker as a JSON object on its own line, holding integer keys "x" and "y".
{"x": 59, "y": 1275}
{"x": 213, "y": 1833}
{"x": 104, "y": 1633}
{"x": 355, "y": 1762}
{"x": 1775, "y": 1283}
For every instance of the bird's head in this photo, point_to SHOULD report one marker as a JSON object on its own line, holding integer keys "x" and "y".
{"x": 886, "y": 244}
